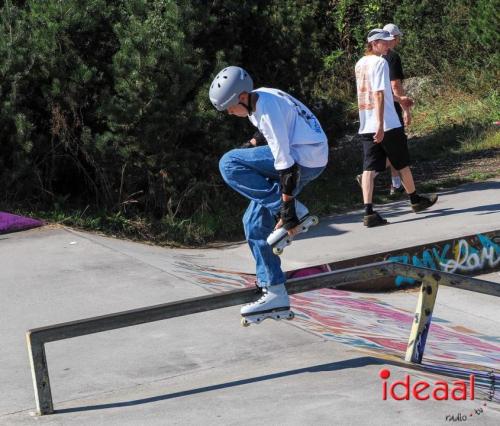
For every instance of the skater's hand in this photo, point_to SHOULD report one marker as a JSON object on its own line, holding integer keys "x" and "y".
{"x": 292, "y": 232}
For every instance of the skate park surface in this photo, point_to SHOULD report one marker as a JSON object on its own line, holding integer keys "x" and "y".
{"x": 321, "y": 368}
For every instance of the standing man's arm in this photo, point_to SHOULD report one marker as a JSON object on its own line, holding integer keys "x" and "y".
{"x": 397, "y": 87}
{"x": 378, "y": 97}
{"x": 405, "y": 102}
{"x": 396, "y": 76}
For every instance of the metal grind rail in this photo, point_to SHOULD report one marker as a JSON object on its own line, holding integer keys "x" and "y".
{"x": 431, "y": 279}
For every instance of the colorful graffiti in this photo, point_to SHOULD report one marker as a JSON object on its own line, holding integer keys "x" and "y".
{"x": 213, "y": 279}
{"x": 369, "y": 323}
{"x": 468, "y": 259}
{"x": 363, "y": 321}
{"x": 467, "y": 255}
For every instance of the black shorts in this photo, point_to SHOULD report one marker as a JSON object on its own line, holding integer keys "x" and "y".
{"x": 394, "y": 146}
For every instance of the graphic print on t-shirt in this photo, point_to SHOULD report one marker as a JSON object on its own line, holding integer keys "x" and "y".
{"x": 365, "y": 93}
{"x": 308, "y": 117}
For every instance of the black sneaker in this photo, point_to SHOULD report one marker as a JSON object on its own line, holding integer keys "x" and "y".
{"x": 371, "y": 220}
{"x": 424, "y": 203}
{"x": 359, "y": 178}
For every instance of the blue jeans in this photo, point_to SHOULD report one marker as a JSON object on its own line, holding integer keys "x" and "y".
{"x": 251, "y": 172}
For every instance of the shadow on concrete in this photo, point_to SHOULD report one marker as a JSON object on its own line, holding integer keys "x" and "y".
{"x": 487, "y": 383}
{"x": 334, "y": 366}
{"x": 395, "y": 210}
{"x": 325, "y": 229}
{"x": 470, "y": 187}
{"x": 402, "y": 206}
{"x": 487, "y": 209}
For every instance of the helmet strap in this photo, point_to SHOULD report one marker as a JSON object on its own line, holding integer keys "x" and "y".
{"x": 249, "y": 105}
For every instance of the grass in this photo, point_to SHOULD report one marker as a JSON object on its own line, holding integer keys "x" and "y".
{"x": 453, "y": 141}
{"x": 167, "y": 231}
{"x": 488, "y": 140}
{"x": 454, "y": 107}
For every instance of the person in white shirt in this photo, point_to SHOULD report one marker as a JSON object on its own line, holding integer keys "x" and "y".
{"x": 270, "y": 176}
{"x": 380, "y": 130}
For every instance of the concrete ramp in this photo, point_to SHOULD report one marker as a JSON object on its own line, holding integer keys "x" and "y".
{"x": 322, "y": 368}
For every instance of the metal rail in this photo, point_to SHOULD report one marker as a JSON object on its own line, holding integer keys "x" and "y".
{"x": 37, "y": 337}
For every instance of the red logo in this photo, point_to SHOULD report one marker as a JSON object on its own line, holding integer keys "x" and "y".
{"x": 440, "y": 390}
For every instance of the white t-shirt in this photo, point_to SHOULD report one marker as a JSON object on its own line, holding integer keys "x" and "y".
{"x": 291, "y": 130}
{"x": 372, "y": 75}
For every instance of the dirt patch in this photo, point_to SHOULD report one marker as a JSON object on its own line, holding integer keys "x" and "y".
{"x": 466, "y": 167}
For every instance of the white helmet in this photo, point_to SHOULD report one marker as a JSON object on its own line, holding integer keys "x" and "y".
{"x": 227, "y": 87}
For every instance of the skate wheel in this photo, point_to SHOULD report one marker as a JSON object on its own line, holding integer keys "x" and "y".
{"x": 291, "y": 316}
{"x": 278, "y": 251}
{"x": 314, "y": 220}
{"x": 244, "y": 322}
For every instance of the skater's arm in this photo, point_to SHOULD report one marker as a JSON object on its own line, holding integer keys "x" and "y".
{"x": 288, "y": 181}
{"x": 273, "y": 126}
{"x": 258, "y": 139}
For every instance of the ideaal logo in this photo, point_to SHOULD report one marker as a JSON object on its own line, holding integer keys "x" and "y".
{"x": 422, "y": 390}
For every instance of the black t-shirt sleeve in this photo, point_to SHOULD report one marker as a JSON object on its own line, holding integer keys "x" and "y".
{"x": 395, "y": 66}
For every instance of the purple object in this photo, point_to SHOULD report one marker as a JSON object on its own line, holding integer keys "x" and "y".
{"x": 12, "y": 223}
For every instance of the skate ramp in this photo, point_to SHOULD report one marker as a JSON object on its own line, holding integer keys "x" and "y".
{"x": 207, "y": 368}
{"x": 321, "y": 368}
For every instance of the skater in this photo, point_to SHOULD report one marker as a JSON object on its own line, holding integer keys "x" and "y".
{"x": 396, "y": 76}
{"x": 270, "y": 176}
{"x": 380, "y": 130}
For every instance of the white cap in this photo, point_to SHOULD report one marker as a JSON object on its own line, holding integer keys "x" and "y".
{"x": 379, "y": 34}
{"x": 393, "y": 30}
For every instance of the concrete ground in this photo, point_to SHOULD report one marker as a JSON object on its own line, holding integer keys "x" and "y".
{"x": 465, "y": 210}
{"x": 206, "y": 368}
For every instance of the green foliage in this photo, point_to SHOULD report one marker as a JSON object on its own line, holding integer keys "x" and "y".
{"x": 104, "y": 103}
{"x": 441, "y": 35}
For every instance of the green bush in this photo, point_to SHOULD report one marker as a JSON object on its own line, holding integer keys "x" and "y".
{"x": 104, "y": 104}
